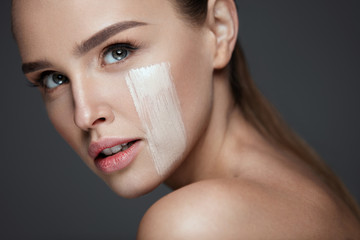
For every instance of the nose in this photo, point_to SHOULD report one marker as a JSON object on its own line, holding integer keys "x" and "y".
{"x": 91, "y": 107}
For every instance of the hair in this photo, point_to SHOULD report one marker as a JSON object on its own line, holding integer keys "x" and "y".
{"x": 258, "y": 111}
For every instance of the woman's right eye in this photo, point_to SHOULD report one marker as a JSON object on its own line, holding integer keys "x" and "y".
{"x": 53, "y": 80}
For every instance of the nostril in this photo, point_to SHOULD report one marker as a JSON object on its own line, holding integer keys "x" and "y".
{"x": 99, "y": 120}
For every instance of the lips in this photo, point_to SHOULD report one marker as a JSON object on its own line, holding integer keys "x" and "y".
{"x": 118, "y": 148}
{"x": 113, "y": 154}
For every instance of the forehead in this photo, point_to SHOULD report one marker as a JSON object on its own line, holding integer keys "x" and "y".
{"x": 47, "y": 22}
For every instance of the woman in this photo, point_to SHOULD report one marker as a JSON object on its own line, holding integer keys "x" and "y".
{"x": 157, "y": 91}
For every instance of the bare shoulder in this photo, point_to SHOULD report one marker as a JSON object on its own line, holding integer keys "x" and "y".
{"x": 238, "y": 209}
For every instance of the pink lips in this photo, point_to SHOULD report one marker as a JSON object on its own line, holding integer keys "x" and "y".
{"x": 114, "y": 162}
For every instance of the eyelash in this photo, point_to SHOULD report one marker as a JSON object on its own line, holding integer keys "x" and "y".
{"x": 39, "y": 80}
{"x": 131, "y": 47}
{"x": 127, "y": 45}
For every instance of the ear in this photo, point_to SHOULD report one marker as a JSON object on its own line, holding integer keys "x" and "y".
{"x": 223, "y": 20}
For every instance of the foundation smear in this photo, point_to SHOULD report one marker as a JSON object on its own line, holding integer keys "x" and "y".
{"x": 156, "y": 102}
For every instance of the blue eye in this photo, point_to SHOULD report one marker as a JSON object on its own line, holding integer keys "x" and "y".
{"x": 116, "y": 54}
{"x": 54, "y": 80}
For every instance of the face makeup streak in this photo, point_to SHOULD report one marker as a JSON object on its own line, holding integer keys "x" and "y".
{"x": 156, "y": 102}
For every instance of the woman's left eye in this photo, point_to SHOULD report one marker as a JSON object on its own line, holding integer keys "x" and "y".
{"x": 116, "y": 54}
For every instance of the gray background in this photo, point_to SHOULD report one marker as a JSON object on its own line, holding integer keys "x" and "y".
{"x": 304, "y": 56}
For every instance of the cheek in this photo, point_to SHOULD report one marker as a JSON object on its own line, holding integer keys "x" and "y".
{"x": 194, "y": 84}
{"x": 158, "y": 108}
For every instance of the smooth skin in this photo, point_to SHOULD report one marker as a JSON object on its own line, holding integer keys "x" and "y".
{"x": 231, "y": 183}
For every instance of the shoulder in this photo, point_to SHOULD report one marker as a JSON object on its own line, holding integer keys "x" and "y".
{"x": 231, "y": 209}
{"x": 197, "y": 211}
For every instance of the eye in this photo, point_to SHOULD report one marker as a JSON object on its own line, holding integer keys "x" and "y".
{"x": 53, "y": 80}
{"x": 115, "y": 55}
{"x": 117, "y": 52}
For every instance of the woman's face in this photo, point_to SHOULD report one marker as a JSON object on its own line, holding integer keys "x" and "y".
{"x": 128, "y": 76}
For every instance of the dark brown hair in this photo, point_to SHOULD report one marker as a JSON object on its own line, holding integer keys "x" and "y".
{"x": 261, "y": 114}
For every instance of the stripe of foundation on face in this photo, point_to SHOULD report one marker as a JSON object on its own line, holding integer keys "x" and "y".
{"x": 157, "y": 104}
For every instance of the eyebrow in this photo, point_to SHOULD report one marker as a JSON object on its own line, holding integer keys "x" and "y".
{"x": 86, "y": 45}
{"x": 35, "y": 66}
{"x": 105, "y": 34}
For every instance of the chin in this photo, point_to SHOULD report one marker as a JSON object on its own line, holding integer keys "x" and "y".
{"x": 133, "y": 186}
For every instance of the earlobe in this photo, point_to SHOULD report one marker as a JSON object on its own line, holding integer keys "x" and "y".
{"x": 224, "y": 25}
